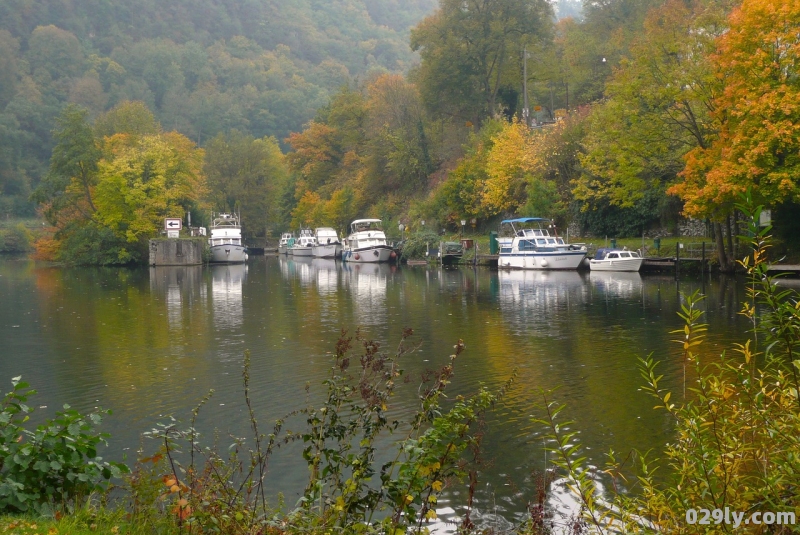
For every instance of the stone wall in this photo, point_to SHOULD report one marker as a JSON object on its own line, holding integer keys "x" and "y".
{"x": 176, "y": 251}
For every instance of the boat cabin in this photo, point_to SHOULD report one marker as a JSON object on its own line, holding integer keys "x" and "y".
{"x": 326, "y": 236}
{"x": 366, "y": 233}
{"x": 529, "y": 234}
{"x": 614, "y": 254}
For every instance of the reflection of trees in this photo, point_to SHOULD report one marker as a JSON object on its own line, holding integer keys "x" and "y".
{"x": 125, "y": 332}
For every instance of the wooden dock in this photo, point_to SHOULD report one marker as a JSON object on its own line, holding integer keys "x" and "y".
{"x": 792, "y": 269}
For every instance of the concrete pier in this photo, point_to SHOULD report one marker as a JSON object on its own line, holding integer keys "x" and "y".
{"x": 177, "y": 251}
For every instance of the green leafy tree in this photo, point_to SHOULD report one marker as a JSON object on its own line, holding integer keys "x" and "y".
{"x": 471, "y": 55}
{"x": 247, "y": 175}
{"x": 66, "y": 192}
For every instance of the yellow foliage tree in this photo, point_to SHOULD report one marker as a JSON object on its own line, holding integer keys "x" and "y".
{"x": 142, "y": 181}
{"x": 509, "y": 161}
{"x": 309, "y": 211}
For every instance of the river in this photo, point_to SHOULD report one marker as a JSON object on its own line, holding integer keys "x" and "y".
{"x": 149, "y": 343}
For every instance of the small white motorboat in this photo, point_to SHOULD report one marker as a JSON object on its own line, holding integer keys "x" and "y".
{"x": 616, "y": 260}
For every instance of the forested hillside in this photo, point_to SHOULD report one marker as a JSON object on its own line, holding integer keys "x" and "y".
{"x": 262, "y": 67}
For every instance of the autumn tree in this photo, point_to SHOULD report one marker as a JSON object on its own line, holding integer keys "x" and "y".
{"x": 399, "y": 151}
{"x": 509, "y": 164}
{"x": 309, "y": 211}
{"x": 327, "y": 154}
{"x": 141, "y": 182}
{"x": 107, "y": 196}
{"x": 471, "y": 55}
{"x": 757, "y": 146}
{"x": 656, "y": 109}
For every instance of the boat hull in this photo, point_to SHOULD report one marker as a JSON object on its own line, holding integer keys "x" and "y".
{"x": 228, "y": 254}
{"x": 617, "y": 264}
{"x": 378, "y": 253}
{"x": 301, "y": 251}
{"x": 332, "y": 250}
{"x": 556, "y": 260}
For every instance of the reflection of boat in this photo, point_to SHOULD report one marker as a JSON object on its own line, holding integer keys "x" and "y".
{"x": 540, "y": 302}
{"x": 327, "y": 245}
{"x": 226, "y": 239}
{"x": 450, "y": 252}
{"x": 287, "y": 240}
{"x": 303, "y": 243}
{"x": 366, "y": 242}
{"x": 525, "y": 243}
{"x": 368, "y": 284}
{"x": 327, "y": 274}
{"x": 616, "y": 260}
{"x": 617, "y": 283}
{"x": 226, "y": 295}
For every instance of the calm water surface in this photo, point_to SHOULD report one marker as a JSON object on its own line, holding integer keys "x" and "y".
{"x": 150, "y": 343}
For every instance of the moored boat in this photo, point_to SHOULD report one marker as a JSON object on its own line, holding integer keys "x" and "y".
{"x": 225, "y": 240}
{"x": 616, "y": 260}
{"x": 327, "y": 245}
{"x": 526, "y": 243}
{"x": 450, "y": 252}
{"x": 303, "y": 243}
{"x": 366, "y": 242}
{"x": 286, "y": 241}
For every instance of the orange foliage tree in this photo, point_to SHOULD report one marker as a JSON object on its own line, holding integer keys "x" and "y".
{"x": 758, "y": 143}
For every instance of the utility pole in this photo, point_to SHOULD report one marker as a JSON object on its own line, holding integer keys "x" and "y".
{"x": 526, "y": 112}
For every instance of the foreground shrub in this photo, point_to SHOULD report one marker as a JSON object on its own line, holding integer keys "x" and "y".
{"x": 352, "y": 487}
{"x": 53, "y": 467}
{"x": 737, "y": 442}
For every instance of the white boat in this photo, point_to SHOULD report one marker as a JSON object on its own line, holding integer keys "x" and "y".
{"x": 328, "y": 244}
{"x": 616, "y": 260}
{"x": 225, "y": 240}
{"x": 366, "y": 242}
{"x": 303, "y": 243}
{"x": 286, "y": 241}
{"x": 526, "y": 243}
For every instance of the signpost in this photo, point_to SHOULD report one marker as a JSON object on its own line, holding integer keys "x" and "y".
{"x": 173, "y": 226}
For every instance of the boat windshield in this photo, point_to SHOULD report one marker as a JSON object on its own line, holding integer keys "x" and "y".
{"x": 363, "y": 225}
{"x": 530, "y": 227}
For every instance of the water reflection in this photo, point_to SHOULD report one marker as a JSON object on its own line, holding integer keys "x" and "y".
{"x": 146, "y": 347}
{"x": 533, "y": 299}
{"x": 226, "y": 295}
{"x": 367, "y": 285}
{"x": 327, "y": 275}
{"x": 181, "y": 288}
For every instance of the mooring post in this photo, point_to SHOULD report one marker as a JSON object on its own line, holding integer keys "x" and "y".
{"x": 703, "y": 261}
{"x": 677, "y": 258}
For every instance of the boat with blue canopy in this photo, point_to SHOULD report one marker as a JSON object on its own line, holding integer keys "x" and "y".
{"x": 526, "y": 243}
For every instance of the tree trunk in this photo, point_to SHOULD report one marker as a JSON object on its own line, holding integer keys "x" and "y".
{"x": 724, "y": 262}
{"x": 731, "y": 252}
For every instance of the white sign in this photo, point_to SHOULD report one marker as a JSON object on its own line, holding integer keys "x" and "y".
{"x": 173, "y": 223}
{"x": 173, "y": 233}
